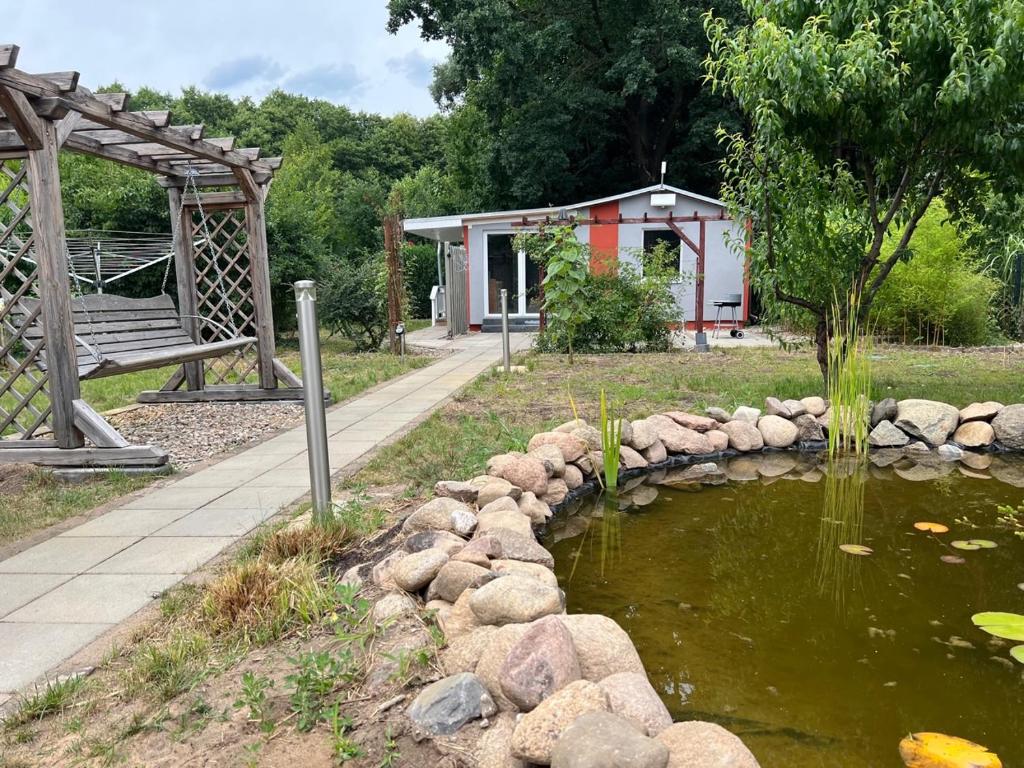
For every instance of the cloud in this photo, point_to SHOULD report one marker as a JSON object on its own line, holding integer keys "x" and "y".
{"x": 326, "y": 81}
{"x": 231, "y": 74}
{"x": 417, "y": 68}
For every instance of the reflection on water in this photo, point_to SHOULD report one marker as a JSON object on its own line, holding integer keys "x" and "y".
{"x": 732, "y": 586}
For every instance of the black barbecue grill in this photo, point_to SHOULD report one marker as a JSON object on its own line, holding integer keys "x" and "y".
{"x": 732, "y": 301}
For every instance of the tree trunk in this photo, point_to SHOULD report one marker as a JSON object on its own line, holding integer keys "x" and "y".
{"x": 393, "y": 245}
{"x": 821, "y": 338}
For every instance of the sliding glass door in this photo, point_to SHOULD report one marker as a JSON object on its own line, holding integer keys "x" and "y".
{"x": 516, "y": 272}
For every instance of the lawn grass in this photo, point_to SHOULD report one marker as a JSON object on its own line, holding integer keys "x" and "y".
{"x": 497, "y": 414}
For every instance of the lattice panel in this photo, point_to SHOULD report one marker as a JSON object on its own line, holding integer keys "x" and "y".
{"x": 224, "y": 292}
{"x": 24, "y": 393}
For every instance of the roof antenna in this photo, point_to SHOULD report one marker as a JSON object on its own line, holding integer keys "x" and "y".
{"x": 664, "y": 167}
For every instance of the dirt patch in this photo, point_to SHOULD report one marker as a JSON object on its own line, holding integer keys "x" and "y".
{"x": 15, "y": 478}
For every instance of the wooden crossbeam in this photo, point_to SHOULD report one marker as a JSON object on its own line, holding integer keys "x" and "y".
{"x": 116, "y": 101}
{"x": 95, "y": 110}
{"x": 150, "y": 149}
{"x": 8, "y": 55}
{"x": 110, "y": 136}
{"x": 246, "y": 183}
{"x": 19, "y": 111}
{"x": 160, "y": 118}
{"x": 118, "y": 154}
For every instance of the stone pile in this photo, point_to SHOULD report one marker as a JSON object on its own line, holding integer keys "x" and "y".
{"x": 571, "y": 690}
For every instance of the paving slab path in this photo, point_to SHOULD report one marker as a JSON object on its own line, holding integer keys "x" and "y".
{"x": 61, "y": 595}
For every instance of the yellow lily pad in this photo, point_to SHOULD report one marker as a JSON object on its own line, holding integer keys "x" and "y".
{"x": 856, "y": 549}
{"x": 1009, "y": 626}
{"x": 932, "y": 527}
{"x": 1018, "y": 653}
{"x": 937, "y": 750}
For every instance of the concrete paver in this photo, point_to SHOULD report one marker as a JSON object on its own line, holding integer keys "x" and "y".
{"x": 86, "y": 599}
{"x": 60, "y": 595}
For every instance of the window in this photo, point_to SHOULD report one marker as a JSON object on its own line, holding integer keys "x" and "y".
{"x": 673, "y": 246}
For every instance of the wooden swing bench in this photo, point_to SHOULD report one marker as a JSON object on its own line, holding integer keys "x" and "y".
{"x": 115, "y": 335}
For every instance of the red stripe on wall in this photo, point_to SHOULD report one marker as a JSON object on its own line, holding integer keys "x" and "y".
{"x": 604, "y": 239}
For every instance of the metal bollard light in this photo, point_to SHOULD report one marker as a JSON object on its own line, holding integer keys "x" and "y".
{"x": 313, "y": 397}
{"x": 506, "y": 344}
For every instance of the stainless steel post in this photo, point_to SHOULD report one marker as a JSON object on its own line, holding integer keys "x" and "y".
{"x": 313, "y": 396}
{"x": 506, "y": 345}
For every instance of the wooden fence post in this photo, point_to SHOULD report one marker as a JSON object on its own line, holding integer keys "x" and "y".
{"x": 54, "y": 285}
{"x": 185, "y": 278}
{"x": 259, "y": 275}
{"x": 393, "y": 247}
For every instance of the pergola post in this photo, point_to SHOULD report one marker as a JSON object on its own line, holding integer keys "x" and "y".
{"x": 54, "y": 284}
{"x": 185, "y": 277}
{"x": 259, "y": 274}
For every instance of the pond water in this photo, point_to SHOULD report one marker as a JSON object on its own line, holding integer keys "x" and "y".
{"x": 746, "y": 612}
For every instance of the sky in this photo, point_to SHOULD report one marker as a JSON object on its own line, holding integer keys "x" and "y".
{"x": 336, "y": 50}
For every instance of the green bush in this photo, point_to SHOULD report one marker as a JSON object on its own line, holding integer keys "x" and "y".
{"x": 631, "y": 311}
{"x": 940, "y": 293}
{"x": 419, "y": 263}
{"x": 353, "y": 302}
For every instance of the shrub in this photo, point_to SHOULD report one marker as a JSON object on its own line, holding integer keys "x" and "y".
{"x": 420, "y": 265}
{"x": 939, "y": 294}
{"x": 631, "y": 311}
{"x": 353, "y": 302}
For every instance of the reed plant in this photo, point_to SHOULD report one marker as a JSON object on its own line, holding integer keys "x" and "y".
{"x": 611, "y": 436}
{"x": 849, "y": 380}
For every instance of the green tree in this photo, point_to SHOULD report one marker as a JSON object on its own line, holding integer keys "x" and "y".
{"x": 578, "y": 97}
{"x": 861, "y": 114}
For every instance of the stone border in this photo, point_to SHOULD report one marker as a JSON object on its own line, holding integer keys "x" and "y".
{"x": 570, "y": 690}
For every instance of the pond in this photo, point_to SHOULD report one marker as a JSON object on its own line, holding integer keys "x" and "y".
{"x": 747, "y": 613}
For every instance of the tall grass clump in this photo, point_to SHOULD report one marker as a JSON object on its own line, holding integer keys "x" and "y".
{"x": 849, "y": 381}
{"x": 611, "y": 436}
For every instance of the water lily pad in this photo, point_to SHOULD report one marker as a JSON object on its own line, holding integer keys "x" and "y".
{"x": 937, "y": 750}
{"x": 1021, "y": 586}
{"x": 932, "y": 527}
{"x": 856, "y": 549}
{"x": 953, "y": 559}
{"x": 1018, "y": 653}
{"x": 973, "y": 544}
{"x": 1009, "y": 626}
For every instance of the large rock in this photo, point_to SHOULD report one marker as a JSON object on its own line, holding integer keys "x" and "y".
{"x": 496, "y": 464}
{"x": 495, "y": 488}
{"x": 644, "y": 435}
{"x": 463, "y": 653}
{"x": 777, "y": 432}
{"x": 697, "y": 744}
{"x": 814, "y": 405}
{"x": 718, "y": 414}
{"x": 775, "y": 407}
{"x": 571, "y": 447}
{"x": 456, "y": 489}
{"x": 719, "y": 440}
{"x": 974, "y": 434}
{"x": 603, "y": 647}
{"x": 655, "y": 453}
{"x": 440, "y": 514}
{"x": 537, "y": 732}
{"x": 569, "y": 426}
{"x": 1009, "y": 426}
{"x": 743, "y": 435}
{"x": 494, "y": 749}
{"x": 443, "y": 540}
{"x": 591, "y": 436}
{"x": 558, "y": 489}
{"x": 746, "y": 413}
{"x": 691, "y": 421}
{"x": 796, "y": 408}
{"x": 630, "y": 695}
{"x": 884, "y": 410}
{"x": 516, "y": 546}
{"x": 393, "y": 605}
{"x": 679, "y": 439}
{"x": 514, "y": 599}
{"x": 887, "y": 435}
{"x": 928, "y": 420}
{"x": 980, "y": 411}
{"x": 492, "y": 658}
{"x": 459, "y": 620}
{"x": 605, "y": 740}
{"x": 416, "y": 570}
{"x": 531, "y": 570}
{"x": 445, "y": 706}
{"x": 573, "y": 477}
{"x": 489, "y": 520}
{"x": 552, "y": 458}
{"x": 455, "y": 577}
{"x": 809, "y": 430}
{"x": 381, "y": 572}
{"x": 630, "y": 458}
{"x": 534, "y": 508}
{"x": 529, "y": 473}
{"x": 542, "y": 662}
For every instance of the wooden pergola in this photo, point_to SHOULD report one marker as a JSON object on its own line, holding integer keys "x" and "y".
{"x": 220, "y": 335}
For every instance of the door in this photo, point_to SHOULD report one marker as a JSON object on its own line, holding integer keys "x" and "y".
{"x": 514, "y": 271}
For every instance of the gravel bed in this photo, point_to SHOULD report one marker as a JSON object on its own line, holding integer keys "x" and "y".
{"x": 194, "y": 432}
